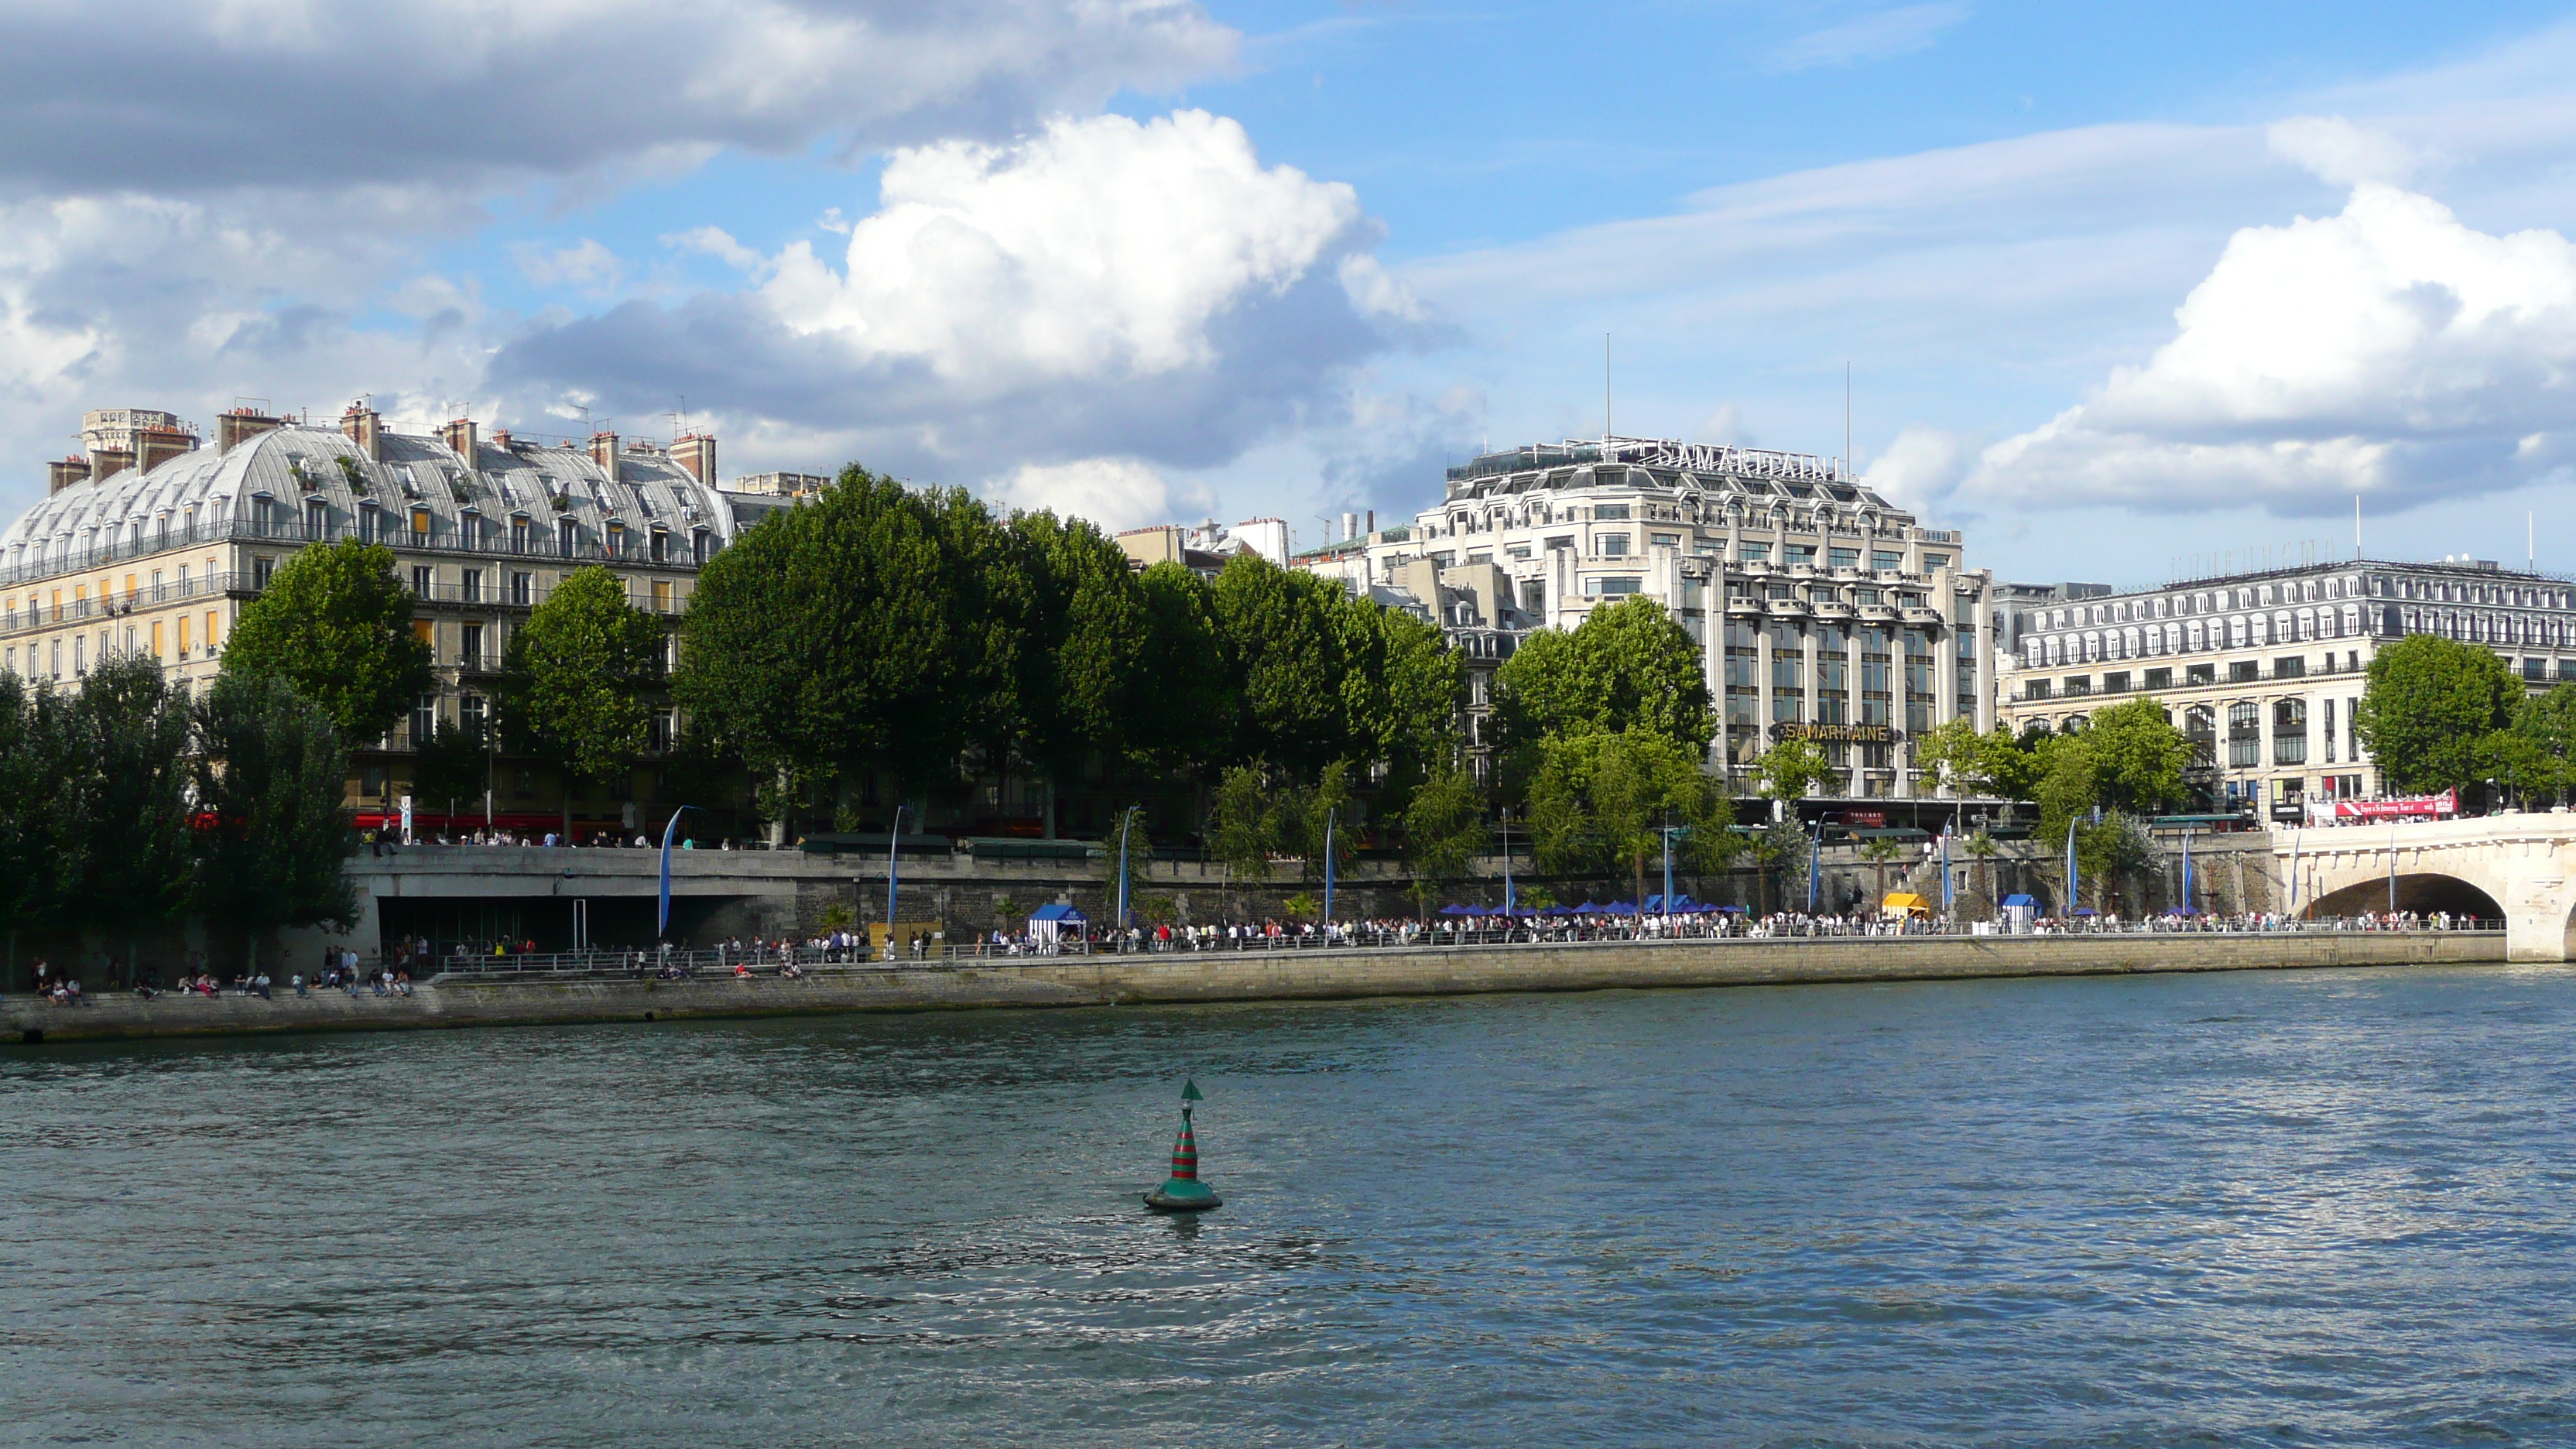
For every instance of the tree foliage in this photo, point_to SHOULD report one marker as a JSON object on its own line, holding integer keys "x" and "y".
{"x": 336, "y": 624}
{"x": 1629, "y": 666}
{"x": 2431, "y": 710}
{"x": 579, "y": 678}
{"x": 1792, "y": 770}
{"x": 274, "y": 845}
{"x": 1602, "y": 800}
{"x": 1444, "y": 833}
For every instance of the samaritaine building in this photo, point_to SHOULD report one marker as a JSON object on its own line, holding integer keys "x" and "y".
{"x": 152, "y": 544}
{"x": 1821, "y": 609}
{"x": 2261, "y": 671}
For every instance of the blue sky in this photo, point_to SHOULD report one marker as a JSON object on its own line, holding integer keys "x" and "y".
{"x": 2119, "y": 285}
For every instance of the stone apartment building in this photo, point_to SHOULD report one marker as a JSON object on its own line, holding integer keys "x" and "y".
{"x": 2262, "y": 671}
{"x": 1821, "y": 609}
{"x": 152, "y": 544}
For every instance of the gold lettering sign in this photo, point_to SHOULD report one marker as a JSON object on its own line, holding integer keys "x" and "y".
{"x": 1845, "y": 734}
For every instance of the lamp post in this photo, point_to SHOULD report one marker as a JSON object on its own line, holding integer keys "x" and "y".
{"x": 894, "y": 876}
{"x": 1329, "y": 819}
{"x": 1124, "y": 822}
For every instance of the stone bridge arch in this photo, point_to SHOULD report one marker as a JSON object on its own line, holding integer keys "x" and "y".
{"x": 2522, "y": 867}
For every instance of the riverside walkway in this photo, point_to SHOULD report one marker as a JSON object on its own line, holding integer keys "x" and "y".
{"x": 618, "y": 987}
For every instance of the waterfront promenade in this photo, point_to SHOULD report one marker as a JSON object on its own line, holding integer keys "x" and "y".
{"x": 1241, "y": 976}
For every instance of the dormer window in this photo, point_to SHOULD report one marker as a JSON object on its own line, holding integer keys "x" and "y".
{"x": 370, "y": 521}
{"x": 419, "y": 524}
{"x": 317, "y": 517}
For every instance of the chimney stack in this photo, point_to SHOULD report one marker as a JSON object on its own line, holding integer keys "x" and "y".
{"x": 697, "y": 453}
{"x": 1350, "y": 527}
{"x": 240, "y": 425}
{"x": 603, "y": 451}
{"x": 63, "y": 474}
{"x": 365, "y": 429}
{"x": 458, "y": 435}
{"x": 106, "y": 463}
{"x": 1372, "y": 520}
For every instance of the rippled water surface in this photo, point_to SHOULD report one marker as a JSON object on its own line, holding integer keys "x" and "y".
{"x": 2301, "y": 1208}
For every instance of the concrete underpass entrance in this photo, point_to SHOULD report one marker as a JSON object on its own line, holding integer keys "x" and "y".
{"x": 2423, "y": 894}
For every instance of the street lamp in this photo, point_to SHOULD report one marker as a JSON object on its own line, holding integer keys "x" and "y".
{"x": 1124, "y": 822}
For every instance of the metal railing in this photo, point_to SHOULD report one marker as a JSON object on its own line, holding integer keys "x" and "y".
{"x": 776, "y": 961}
{"x": 539, "y": 543}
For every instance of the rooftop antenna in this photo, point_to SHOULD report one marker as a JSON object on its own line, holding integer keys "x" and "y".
{"x": 2356, "y": 527}
{"x": 1605, "y": 397}
{"x": 2531, "y": 543}
{"x": 1850, "y": 469}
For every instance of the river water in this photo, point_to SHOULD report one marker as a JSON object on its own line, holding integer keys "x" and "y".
{"x": 2295, "y": 1208}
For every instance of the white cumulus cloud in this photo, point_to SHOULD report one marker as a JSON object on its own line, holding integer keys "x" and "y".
{"x": 2390, "y": 351}
{"x": 1114, "y": 493}
{"x": 1100, "y": 245}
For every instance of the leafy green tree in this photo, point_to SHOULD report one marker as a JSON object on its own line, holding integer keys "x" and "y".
{"x": 1997, "y": 763}
{"x": 33, "y": 766}
{"x": 1279, "y": 626}
{"x": 122, "y": 817}
{"x": 337, "y": 625}
{"x": 2138, "y": 757}
{"x": 1878, "y": 853}
{"x": 1184, "y": 721}
{"x": 1086, "y": 653}
{"x": 2430, "y": 708}
{"x": 1243, "y": 826}
{"x": 1407, "y": 689}
{"x": 2539, "y": 754}
{"x": 578, "y": 679}
{"x": 269, "y": 774}
{"x": 1792, "y": 770}
{"x": 1444, "y": 833}
{"x": 1318, "y": 817}
{"x": 1600, "y": 801}
{"x": 1628, "y": 666}
{"x": 451, "y": 766}
{"x": 870, "y": 628}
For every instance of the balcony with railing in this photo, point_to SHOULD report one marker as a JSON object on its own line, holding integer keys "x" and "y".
{"x": 635, "y": 552}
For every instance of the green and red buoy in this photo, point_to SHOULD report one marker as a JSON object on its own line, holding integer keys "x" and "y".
{"x": 1182, "y": 1192}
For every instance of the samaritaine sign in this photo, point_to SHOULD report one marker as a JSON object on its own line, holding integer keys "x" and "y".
{"x": 1843, "y": 734}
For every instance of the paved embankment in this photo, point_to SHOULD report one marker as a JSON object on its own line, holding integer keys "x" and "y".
{"x": 1240, "y": 976}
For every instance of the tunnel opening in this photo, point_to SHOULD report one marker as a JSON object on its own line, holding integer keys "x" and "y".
{"x": 2424, "y": 895}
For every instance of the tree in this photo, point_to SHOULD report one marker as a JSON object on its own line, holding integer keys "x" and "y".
{"x": 2138, "y": 757}
{"x": 1879, "y": 852}
{"x": 1242, "y": 828}
{"x": 1997, "y": 763}
{"x": 451, "y": 765}
{"x": 1791, "y": 770}
{"x": 578, "y": 677}
{"x": 2539, "y": 754}
{"x": 1193, "y": 698}
{"x": 336, "y": 624}
{"x": 1981, "y": 848}
{"x": 1279, "y": 627}
{"x": 33, "y": 765}
{"x": 1602, "y": 800}
{"x": 1087, "y": 643}
{"x": 1409, "y": 687}
{"x": 1444, "y": 833}
{"x": 1629, "y": 666}
{"x": 2429, "y": 710}
{"x": 269, "y": 774}
{"x": 840, "y": 637}
{"x": 122, "y": 817}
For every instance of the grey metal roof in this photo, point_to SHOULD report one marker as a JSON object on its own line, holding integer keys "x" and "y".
{"x": 299, "y": 464}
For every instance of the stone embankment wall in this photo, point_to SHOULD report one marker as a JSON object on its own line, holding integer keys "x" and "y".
{"x": 1243, "y": 976}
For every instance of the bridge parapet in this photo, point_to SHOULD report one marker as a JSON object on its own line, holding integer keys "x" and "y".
{"x": 2521, "y": 864}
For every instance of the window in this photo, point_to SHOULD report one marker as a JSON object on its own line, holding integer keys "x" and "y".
{"x": 1935, "y": 562}
{"x": 523, "y": 783}
{"x": 1611, "y": 545}
{"x": 2295, "y": 667}
{"x": 2079, "y": 684}
{"x": 2290, "y": 732}
{"x": 1517, "y": 550}
{"x": 2159, "y": 679}
{"x": 183, "y": 645}
{"x": 1886, "y": 562}
{"x": 420, "y": 523}
{"x": 698, "y": 546}
{"x": 469, "y": 651}
{"x": 261, "y": 570}
{"x": 1753, "y": 553}
{"x": 518, "y": 535}
{"x": 2330, "y": 738}
{"x": 1842, "y": 558}
{"x": 1610, "y": 512}
{"x": 1563, "y": 540}
{"x": 566, "y": 535}
{"x": 1612, "y": 588}
{"x": 423, "y": 579}
{"x": 1664, "y": 540}
{"x": 662, "y": 735}
{"x": 474, "y": 715}
{"x": 2535, "y": 670}
{"x": 522, "y": 587}
{"x": 661, "y": 596}
{"x": 2116, "y": 683}
{"x": 1794, "y": 554}
{"x": 317, "y": 517}
{"x": 661, "y": 545}
{"x": 424, "y": 719}
{"x": 2035, "y": 689}
{"x": 470, "y": 586}
{"x": 210, "y": 632}
{"x": 2243, "y": 671}
{"x": 2244, "y": 735}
